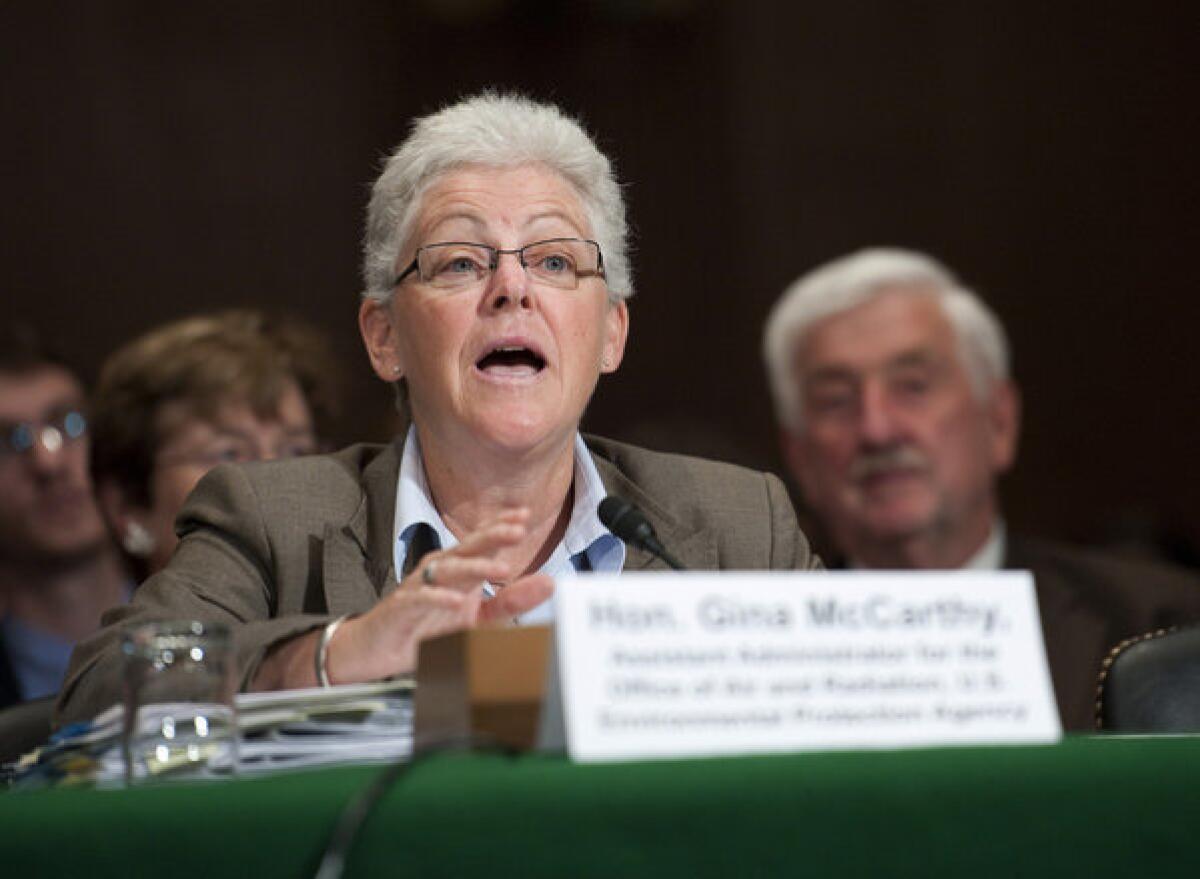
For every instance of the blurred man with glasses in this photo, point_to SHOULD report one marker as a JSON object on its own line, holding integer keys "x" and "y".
{"x": 59, "y": 570}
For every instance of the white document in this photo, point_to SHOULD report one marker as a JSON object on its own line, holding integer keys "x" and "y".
{"x": 689, "y": 664}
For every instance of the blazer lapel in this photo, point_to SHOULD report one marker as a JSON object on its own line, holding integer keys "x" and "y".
{"x": 357, "y": 563}
{"x": 696, "y": 548}
{"x": 358, "y": 566}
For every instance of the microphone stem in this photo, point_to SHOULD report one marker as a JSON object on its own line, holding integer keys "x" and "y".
{"x": 672, "y": 561}
{"x": 659, "y": 550}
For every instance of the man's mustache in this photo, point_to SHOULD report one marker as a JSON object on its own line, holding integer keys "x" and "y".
{"x": 873, "y": 463}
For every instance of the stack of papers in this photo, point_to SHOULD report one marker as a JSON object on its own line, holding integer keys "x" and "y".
{"x": 347, "y": 724}
{"x": 278, "y": 731}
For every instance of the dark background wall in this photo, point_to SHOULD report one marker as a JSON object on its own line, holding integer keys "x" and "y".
{"x": 161, "y": 159}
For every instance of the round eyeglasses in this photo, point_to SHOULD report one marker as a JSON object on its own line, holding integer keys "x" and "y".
{"x": 17, "y": 438}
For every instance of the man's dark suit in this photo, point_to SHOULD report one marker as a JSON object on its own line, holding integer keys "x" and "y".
{"x": 1090, "y": 602}
{"x": 280, "y": 548}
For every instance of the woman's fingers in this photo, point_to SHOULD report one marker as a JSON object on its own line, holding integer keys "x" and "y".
{"x": 384, "y": 641}
{"x": 518, "y": 597}
{"x": 442, "y": 594}
{"x": 448, "y": 571}
{"x": 432, "y": 612}
{"x": 473, "y": 561}
{"x": 495, "y": 534}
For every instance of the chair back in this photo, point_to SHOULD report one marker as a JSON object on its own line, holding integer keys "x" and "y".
{"x": 1151, "y": 684}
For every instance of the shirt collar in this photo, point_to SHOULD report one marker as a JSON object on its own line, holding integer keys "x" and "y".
{"x": 414, "y": 504}
{"x": 990, "y": 556}
{"x": 585, "y": 535}
{"x": 587, "y": 545}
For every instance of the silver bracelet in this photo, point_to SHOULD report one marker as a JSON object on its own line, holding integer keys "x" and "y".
{"x": 321, "y": 658}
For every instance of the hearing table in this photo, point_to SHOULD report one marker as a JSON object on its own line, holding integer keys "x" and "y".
{"x": 1090, "y": 806}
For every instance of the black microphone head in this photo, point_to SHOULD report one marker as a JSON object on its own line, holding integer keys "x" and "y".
{"x": 625, "y": 520}
{"x": 631, "y": 525}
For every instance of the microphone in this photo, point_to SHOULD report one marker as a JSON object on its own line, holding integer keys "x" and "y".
{"x": 631, "y": 525}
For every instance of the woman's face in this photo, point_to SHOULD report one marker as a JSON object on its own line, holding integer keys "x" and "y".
{"x": 193, "y": 446}
{"x": 508, "y": 363}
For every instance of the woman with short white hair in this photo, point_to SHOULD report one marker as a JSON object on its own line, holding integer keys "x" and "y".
{"x": 496, "y": 275}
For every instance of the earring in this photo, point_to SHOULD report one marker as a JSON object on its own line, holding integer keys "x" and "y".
{"x": 395, "y": 370}
{"x": 137, "y": 541}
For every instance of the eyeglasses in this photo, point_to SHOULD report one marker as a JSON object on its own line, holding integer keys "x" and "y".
{"x": 555, "y": 262}
{"x": 53, "y": 433}
{"x": 235, "y": 452}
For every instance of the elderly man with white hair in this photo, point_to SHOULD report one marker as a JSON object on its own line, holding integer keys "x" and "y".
{"x": 898, "y": 415}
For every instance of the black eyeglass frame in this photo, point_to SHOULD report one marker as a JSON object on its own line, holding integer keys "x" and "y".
{"x": 497, "y": 252}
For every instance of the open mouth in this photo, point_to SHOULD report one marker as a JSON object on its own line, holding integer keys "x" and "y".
{"x": 511, "y": 361}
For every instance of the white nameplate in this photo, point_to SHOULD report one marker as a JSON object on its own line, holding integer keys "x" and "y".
{"x": 666, "y": 665}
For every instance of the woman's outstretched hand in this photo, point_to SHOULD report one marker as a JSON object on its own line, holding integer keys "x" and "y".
{"x": 443, "y": 593}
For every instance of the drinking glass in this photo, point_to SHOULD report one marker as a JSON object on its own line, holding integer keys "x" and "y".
{"x": 179, "y": 701}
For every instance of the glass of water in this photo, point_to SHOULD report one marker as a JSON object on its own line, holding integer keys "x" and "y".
{"x": 179, "y": 701}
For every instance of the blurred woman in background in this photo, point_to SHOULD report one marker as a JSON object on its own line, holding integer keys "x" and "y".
{"x": 235, "y": 386}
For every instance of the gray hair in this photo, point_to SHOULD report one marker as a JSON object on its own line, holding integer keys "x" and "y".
{"x": 858, "y": 278}
{"x": 499, "y": 131}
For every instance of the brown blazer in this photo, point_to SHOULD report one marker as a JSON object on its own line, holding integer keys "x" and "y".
{"x": 1089, "y": 602}
{"x": 279, "y": 548}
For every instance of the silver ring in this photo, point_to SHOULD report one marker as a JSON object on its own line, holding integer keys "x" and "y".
{"x": 427, "y": 573}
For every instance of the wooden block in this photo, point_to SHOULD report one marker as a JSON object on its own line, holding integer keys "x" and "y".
{"x": 482, "y": 683}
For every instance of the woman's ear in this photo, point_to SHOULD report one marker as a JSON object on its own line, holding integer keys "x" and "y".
{"x": 375, "y": 325}
{"x": 616, "y": 331}
{"x": 124, "y": 520}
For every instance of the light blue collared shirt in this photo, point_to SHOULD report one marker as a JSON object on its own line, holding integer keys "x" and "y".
{"x": 586, "y": 546}
{"x": 38, "y": 659}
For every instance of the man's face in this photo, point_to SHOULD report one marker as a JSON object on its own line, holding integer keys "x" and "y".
{"x": 895, "y": 444}
{"x": 48, "y": 514}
